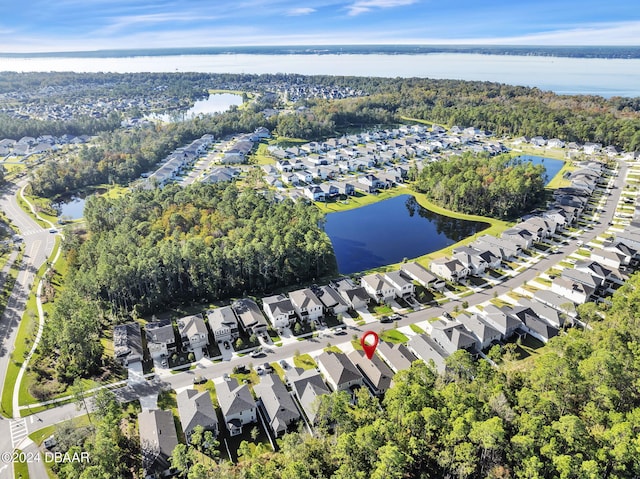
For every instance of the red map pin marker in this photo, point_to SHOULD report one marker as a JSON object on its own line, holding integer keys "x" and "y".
{"x": 369, "y": 347}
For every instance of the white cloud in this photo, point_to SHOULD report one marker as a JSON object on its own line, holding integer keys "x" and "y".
{"x": 296, "y": 12}
{"x": 363, "y": 6}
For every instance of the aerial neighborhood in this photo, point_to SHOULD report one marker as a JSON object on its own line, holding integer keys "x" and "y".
{"x": 366, "y": 163}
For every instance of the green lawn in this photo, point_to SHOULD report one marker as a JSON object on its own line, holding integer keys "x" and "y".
{"x": 20, "y": 469}
{"x": 304, "y": 361}
{"x": 393, "y": 336}
{"x": 333, "y": 349}
{"x": 417, "y": 329}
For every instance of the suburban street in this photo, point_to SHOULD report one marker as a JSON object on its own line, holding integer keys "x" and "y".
{"x": 39, "y": 244}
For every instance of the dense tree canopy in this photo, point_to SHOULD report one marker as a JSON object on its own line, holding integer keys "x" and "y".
{"x": 500, "y": 186}
{"x": 203, "y": 242}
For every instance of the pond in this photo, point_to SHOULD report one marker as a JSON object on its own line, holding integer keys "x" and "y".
{"x": 215, "y": 103}
{"x": 391, "y": 230}
{"x": 71, "y": 209}
{"x": 551, "y": 165}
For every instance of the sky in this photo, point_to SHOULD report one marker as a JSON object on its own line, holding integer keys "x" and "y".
{"x": 80, "y": 25}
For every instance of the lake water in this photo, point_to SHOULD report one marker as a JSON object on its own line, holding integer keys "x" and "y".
{"x": 390, "y": 230}
{"x": 215, "y": 103}
{"x": 72, "y": 208}
{"x": 598, "y": 76}
{"x": 551, "y": 165}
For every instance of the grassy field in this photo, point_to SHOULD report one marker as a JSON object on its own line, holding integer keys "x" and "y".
{"x": 393, "y": 336}
{"x": 304, "y": 361}
{"x": 359, "y": 200}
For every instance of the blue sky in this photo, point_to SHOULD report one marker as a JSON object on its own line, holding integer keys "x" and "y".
{"x": 71, "y": 25}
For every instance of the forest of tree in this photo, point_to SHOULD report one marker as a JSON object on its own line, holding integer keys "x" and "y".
{"x": 156, "y": 247}
{"x": 499, "y": 187}
{"x": 571, "y": 411}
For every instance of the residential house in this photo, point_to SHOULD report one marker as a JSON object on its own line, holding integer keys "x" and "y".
{"x": 378, "y": 287}
{"x": 452, "y": 336}
{"x": 533, "y": 324}
{"x": 196, "y": 409}
{"x": 397, "y": 356}
{"x": 571, "y": 290}
{"x": 501, "y": 320}
{"x": 223, "y": 323}
{"x": 306, "y": 304}
{"x": 505, "y": 248}
{"x": 345, "y": 188}
{"x": 249, "y": 315}
{"x": 161, "y": 338}
{"x": 280, "y": 310}
{"x": 127, "y": 344}
{"x": 329, "y": 190}
{"x": 470, "y": 259}
{"x": 627, "y": 254}
{"x": 158, "y": 439}
{"x": 304, "y": 175}
{"x": 522, "y": 237}
{"x": 555, "y": 301}
{"x": 425, "y": 348}
{"x": 608, "y": 258}
{"x": 485, "y": 334}
{"x": 332, "y": 301}
{"x": 193, "y": 332}
{"x": 355, "y": 296}
{"x": 308, "y": 386}
{"x": 237, "y": 405}
{"x": 587, "y": 278}
{"x": 423, "y": 276}
{"x": 281, "y": 411}
{"x": 314, "y": 193}
{"x": 338, "y": 371}
{"x": 544, "y": 312}
{"x": 377, "y": 375}
{"x": 449, "y": 269}
{"x": 401, "y": 282}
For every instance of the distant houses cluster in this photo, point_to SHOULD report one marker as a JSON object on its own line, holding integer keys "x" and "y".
{"x": 28, "y": 145}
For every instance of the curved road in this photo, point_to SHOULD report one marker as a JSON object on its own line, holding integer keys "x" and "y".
{"x": 38, "y": 245}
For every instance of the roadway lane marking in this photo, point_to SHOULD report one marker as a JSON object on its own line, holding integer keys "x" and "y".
{"x": 18, "y": 431}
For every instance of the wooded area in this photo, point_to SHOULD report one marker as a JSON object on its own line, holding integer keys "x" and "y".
{"x": 204, "y": 242}
{"x": 499, "y": 187}
{"x": 573, "y": 411}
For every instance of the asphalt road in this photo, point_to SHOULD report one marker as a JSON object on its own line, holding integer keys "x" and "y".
{"x": 38, "y": 245}
{"x": 217, "y": 370}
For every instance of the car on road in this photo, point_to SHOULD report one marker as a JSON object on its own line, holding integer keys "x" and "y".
{"x": 53, "y": 230}
{"x": 386, "y": 319}
{"x": 341, "y": 331}
{"x": 394, "y": 317}
{"x": 199, "y": 379}
{"x": 257, "y": 353}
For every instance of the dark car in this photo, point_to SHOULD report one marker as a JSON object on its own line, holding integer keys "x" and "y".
{"x": 386, "y": 319}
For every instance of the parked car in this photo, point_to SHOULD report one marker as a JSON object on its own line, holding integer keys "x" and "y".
{"x": 386, "y": 319}
{"x": 256, "y": 353}
{"x": 394, "y": 316}
{"x": 267, "y": 368}
{"x": 226, "y": 376}
{"x": 199, "y": 379}
{"x": 341, "y": 331}
{"x": 260, "y": 370}
{"x": 284, "y": 364}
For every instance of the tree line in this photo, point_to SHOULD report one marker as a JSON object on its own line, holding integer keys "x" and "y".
{"x": 499, "y": 187}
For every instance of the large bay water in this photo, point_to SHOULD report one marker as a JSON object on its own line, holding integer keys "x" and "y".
{"x": 390, "y": 230}
{"x": 597, "y": 76}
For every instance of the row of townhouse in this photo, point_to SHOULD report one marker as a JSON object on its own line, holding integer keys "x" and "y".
{"x": 588, "y": 148}
{"x": 179, "y": 160}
